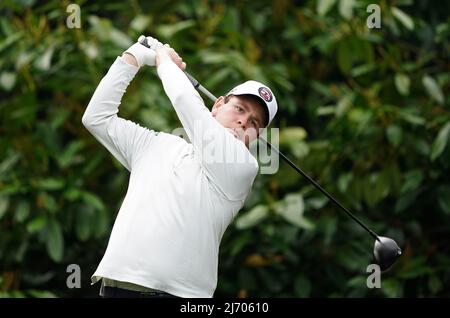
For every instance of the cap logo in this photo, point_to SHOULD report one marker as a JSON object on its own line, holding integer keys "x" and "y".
{"x": 265, "y": 94}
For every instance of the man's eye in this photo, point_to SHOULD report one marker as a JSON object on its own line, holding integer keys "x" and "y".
{"x": 240, "y": 109}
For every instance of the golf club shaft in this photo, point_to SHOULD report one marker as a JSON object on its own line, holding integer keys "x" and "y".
{"x": 197, "y": 85}
{"x": 289, "y": 162}
{"x": 194, "y": 82}
{"x": 319, "y": 187}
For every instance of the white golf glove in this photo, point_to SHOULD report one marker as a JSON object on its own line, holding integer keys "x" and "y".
{"x": 142, "y": 54}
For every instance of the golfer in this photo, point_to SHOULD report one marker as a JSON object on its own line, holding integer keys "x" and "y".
{"x": 182, "y": 194}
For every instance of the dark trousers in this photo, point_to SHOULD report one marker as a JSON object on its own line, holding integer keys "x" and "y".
{"x": 115, "y": 292}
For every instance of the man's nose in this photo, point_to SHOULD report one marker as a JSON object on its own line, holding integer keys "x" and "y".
{"x": 243, "y": 122}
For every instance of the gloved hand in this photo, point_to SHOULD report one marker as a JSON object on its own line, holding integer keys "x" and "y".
{"x": 142, "y": 54}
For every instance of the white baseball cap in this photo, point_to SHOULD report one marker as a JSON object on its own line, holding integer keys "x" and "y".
{"x": 262, "y": 92}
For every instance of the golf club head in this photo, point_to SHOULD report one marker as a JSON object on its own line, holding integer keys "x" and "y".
{"x": 386, "y": 251}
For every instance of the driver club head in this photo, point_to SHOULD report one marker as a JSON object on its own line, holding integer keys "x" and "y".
{"x": 386, "y": 251}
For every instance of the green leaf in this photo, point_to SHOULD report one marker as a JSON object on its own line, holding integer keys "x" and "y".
{"x": 93, "y": 200}
{"x": 321, "y": 89}
{"x": 376, "y": 188}
{"x": 4, "y": 202}
{"x": 7, "y": 80}
{"x": 24, "y": 58}
{"x": 41, "y": 278}
{"x": 416, "y": 267}
{"x": 36, "y": 224}
{"x": 363, "y": 69}
{"x": 50, "y": 184}
{"x": 323, "y": 6}
{"x": 44, "y": 60}
{"x": 413, "y": 179}
{"x": 329, "y": 229}
{"x": 412, "y": 118}
{"x": 85, "y": 219}
{"x": 422, "y": 147}
{"x": 59, "y": 117}
{"x": 238, "y": 244}
{"x": 326, "y": 110}
{"x": 291, "y": 209}
{"x": 8, "y": 163}
{"x": 101, "y": 27}
{"x": 49, "y": 202}
{"x": 54, "y": 240}
{"x": 90, "y": 49}
{"x": 402, "y": 83}
{"x": 434, "y": 284}
{"x": 433, "y": 89}
{"x": 140, "y": 22}
{"x": 443, "y": 193}
{"x": 292, "y": 134}
{"x": 302, "y": 286}
{"x": 100, "y": 226}
{"x": 218, "y": 77}
{"x": 120, "y": 39}
{"x": 40, "y": 293}
{"x": 22, "y": 211}
{"x": 12, "y": 294}
{"x": 344, "y": 181}
{"x": 169, "y": 30}
{"x": 346, "y": 8}
{"x": 440, "y": 142}
{"x": 394, "y": 135}
{"x": 357, "y": 282}
{"x": 294, "y": 138}
{"x": 392, "y": 171}
{"x": 253, "y": 217}
{"x": 270, "y": 280}
{"x": 72, "y": 194}
{"x": 382, "y": 185}
{"x": 69, "y": 154}
{"x": 356, "y": 188}
{"x": 10, "y": 40}
{"x": 352, "y": 259}
{"x": 403, "y": 18}
{"x": 299, "y": 149}
{"x": 392, "y": 287}
{"x": 21, "y": 250}
{"x": 344, "y": 105}
{"x": 316, "y": 203}
{"x": 344, "y": 56}
{"x": 405, "y": 201}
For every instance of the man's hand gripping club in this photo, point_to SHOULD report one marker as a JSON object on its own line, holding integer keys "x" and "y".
{"x": 157, "y": 53}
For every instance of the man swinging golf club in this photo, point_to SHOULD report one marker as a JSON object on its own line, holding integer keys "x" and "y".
{"x": 165, "y": 240}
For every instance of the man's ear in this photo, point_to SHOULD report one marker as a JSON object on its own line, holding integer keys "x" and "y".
{"x": 217, "y": 104}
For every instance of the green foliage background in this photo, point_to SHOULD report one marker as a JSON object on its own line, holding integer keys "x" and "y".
{"x": 364, "y": 111}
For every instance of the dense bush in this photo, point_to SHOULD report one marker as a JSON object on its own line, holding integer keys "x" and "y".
{"x": 364, "y": 111}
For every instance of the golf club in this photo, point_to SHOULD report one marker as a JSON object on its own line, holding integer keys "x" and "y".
{"x": 386, "y": 251}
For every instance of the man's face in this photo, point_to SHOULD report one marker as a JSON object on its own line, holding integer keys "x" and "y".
{"x": 241, "y": 115}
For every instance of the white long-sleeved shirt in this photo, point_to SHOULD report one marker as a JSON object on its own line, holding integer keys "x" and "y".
{"x": 181, "y": 196}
